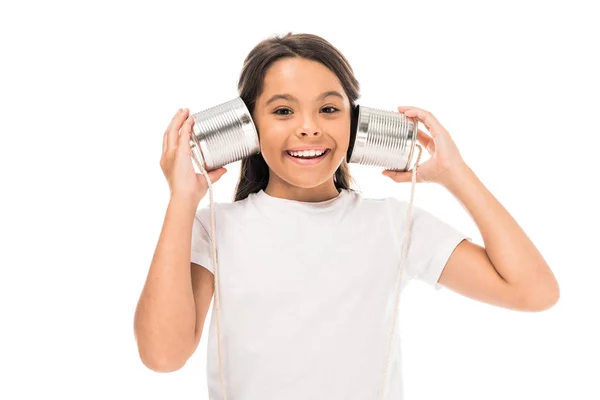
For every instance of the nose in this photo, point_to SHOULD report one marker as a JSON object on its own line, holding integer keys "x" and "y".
{"x": 309, "y": 126}
{"x": 315, "y": 133}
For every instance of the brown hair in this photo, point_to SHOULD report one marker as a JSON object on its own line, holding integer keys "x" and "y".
{"x": 254, "y": 171}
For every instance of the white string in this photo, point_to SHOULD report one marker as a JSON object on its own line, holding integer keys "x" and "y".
{"x": 400, "y": 273}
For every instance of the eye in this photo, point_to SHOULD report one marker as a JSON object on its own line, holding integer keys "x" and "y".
{"x": 276, "y": 112}
{"x": 287, "y": 111}
{"x": 333, "y": 110}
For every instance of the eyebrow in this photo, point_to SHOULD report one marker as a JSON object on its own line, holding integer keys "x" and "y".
{"x": 289, "y": 97}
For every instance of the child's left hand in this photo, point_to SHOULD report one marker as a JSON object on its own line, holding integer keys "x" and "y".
{"x": 445, "y": 160}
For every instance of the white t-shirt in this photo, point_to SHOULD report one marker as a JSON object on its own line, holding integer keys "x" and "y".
{"x": 307, "y": 293}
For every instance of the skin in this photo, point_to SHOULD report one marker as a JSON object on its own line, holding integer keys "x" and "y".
{"x": 304, "y": 121}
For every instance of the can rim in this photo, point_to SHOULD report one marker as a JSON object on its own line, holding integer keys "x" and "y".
{"x": 360, "y": 135}
{"x": 248, "y": 127}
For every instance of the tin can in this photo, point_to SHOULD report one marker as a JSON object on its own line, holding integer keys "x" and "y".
{"x": 382, "y": 138}
{"x": 224, "y": 134}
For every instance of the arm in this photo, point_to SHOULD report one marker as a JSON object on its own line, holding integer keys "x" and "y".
{"x": 509, "y": 272}
{"x": 165, "y": 317}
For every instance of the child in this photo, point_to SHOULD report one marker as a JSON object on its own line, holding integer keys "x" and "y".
{"x": 307, "y": 266}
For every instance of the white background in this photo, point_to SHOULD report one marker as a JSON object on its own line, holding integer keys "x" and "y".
{"x": 88, "y": 88}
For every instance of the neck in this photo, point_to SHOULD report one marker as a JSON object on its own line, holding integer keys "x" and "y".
{"x": 285, "y": 190}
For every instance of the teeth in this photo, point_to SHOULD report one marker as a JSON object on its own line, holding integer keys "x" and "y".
{"x": 308, "y": 153}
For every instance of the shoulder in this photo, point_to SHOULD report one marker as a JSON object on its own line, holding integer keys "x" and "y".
{"x": 378, "y": 210}
{"x": 359, "y": 196}
{"x": 220, "y": 209}
{"x": 388, "y": 205}
{"x": 399, "y": 211}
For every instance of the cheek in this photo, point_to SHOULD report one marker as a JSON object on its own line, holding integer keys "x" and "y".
{"x": 272, "y": 142}
{"x": 340, "y": 132}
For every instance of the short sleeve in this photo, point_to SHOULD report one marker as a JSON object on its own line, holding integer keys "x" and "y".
{"x": 201, "y": 243}
{"x": 432, "y": 242}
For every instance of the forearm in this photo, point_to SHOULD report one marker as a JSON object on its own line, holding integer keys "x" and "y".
{"x": 165, "y": 317}
{"x": 514, "y": 256}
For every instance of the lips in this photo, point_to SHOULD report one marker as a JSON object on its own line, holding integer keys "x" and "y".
{"x": 308, "y": 161}
{"x": 316, "y": 148}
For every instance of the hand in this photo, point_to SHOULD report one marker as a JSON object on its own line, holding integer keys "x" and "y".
{"x": 445, "y": 160}
{"x": 176, "y": 160}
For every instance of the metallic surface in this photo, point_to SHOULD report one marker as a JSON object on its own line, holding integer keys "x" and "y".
{"x": 384, "y": 138}
{"x": 224, "y": 134}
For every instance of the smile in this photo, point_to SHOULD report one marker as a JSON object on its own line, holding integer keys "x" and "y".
{"x": 307, "y": 160}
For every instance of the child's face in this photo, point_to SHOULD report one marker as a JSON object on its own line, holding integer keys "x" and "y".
{"x": 305, "y": 119}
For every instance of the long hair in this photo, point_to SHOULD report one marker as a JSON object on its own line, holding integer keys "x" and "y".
{"x": 254, "y": 171}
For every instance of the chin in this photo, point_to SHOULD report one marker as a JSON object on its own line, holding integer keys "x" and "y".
{"x": 307, "y": 182}
{"x": 308, "y": 179}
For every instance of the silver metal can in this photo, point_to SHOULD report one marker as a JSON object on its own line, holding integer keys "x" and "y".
{"x": 224, "y": 134}
{"x": 382, "y": 138}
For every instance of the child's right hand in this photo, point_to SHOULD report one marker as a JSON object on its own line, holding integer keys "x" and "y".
{"x": 176, "y": 160}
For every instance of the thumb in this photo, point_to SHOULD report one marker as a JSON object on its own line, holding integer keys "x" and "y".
{"x": 185, "y": 134}
{"x": 215, "y": 175}
{"x": 398, "y": 176}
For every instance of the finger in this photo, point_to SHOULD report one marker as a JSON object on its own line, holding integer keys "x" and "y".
{"x": 173, "y": 119}
{"x": 424, "y": 116}
{"x": 426, "y": 141}
{"x": 171, "y": 123}
{"x": 185, "y": 135}
{"x": 427, "y": 118}
{"x": 404, "y": 108}
{"x": 173, "y": 134}
{"x": 164, "y": 142}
